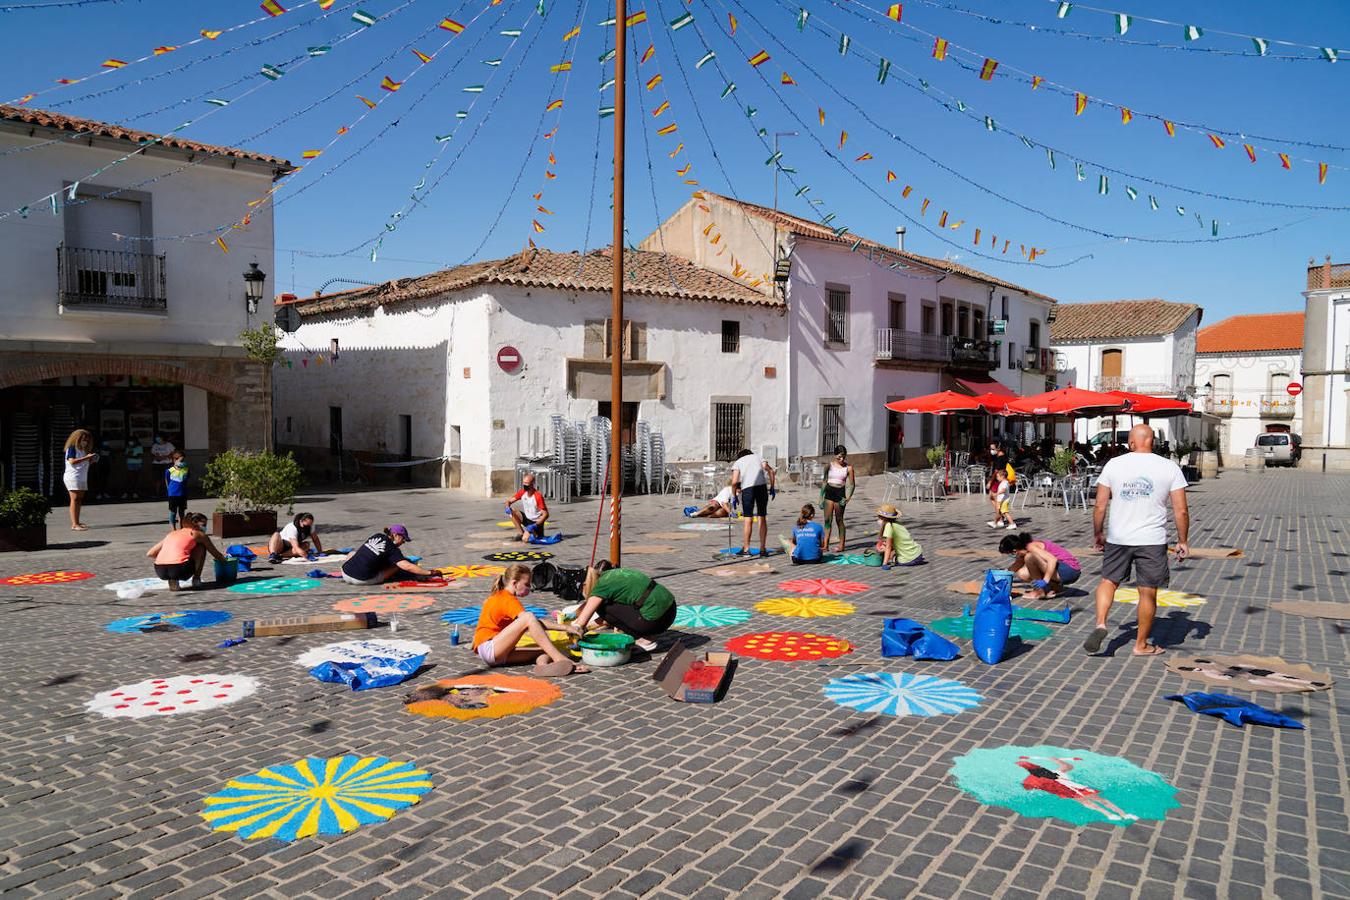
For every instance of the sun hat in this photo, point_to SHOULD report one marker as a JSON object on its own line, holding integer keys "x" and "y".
{"x": 402, "y": 532}
{"x": 888, "y": 511}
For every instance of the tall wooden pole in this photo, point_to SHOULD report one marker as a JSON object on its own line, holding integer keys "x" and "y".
{"x": 616, "y": 331}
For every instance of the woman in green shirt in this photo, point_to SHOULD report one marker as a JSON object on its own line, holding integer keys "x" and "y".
{"x": 894, "y": 543}
{"x": 627, "y": 599}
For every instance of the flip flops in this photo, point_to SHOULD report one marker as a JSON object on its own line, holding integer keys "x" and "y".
{"x": 1094, "y": 641}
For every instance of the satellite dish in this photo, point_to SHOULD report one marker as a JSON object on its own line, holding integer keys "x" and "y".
{"x": 288, "y": 319}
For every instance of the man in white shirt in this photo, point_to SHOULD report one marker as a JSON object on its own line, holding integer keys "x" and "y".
{"x": 1137, "y": 486}
{"x": 755, "y": 479}
{"x": 533, "y": 513}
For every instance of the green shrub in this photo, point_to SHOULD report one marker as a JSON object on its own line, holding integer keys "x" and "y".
{"x": 251, "y": 482}
{"x": 1062, "y": 462}
{"x": 23, "y": 508}
{"x": 936, "y": 454}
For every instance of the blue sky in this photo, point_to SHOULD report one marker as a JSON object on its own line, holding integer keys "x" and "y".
{"x": 485, "y": 177}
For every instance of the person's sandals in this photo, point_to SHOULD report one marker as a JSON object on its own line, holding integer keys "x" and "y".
{"x": 645, "y": 644}
{"x": 1094, "y": 641}
{"x": 80, "y": 527}
{"x": 1153, "y": 650}
{"x": 173, "y": 584}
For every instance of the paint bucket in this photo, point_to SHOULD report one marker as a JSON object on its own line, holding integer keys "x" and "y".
{"x": 606, "y": 649}
{"x": 872, "y": 558}
{"x": 227, "y": 571}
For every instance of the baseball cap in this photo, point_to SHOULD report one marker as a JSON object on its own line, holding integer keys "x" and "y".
{"x": 402, "y": 532}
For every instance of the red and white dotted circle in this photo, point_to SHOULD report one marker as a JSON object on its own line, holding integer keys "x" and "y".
{"x": 172, "y": 696}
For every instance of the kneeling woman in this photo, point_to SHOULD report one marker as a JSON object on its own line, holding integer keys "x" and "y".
{"x": 627, "y": 599}
{"x": 1045, "y": 565}
{"x": 503, "y": 621}
{"x": 294, "y": 540}
{"x": 182, "y": 552}
{"x": 894, "y": 543}
{"x": 379, "y": 559}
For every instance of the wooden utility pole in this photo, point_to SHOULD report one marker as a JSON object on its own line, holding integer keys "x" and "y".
{"x": 616, "y": 331}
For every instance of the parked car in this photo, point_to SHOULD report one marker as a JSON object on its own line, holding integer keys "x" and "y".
{"x": 1281, "y": 448}
{"x": 1104, "y": 437}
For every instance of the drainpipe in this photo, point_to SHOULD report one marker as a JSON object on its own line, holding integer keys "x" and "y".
{"x": 788, "y": 435}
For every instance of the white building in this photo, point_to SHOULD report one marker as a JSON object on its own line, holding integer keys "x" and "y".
{"x": 470, "y": 364}
{"x": 1326, "y": 366}
{"x": 1247, "y": 364}
{"x": 112, "y": 322}
{"x": 1142, "y": 346}
{"x": 867, "y": 324}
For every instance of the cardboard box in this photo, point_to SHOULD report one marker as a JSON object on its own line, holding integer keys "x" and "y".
{"x": 689, "y": 679}
{"x": 309, "y": 624}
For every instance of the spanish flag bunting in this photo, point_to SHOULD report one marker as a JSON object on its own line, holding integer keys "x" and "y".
{"x": 552, "y": 160}
{"x": 547, "y": 212}
{"x": 211, "y": 35}
{"x": 647, "y": 54}
{"x": 1284, "y": 160}
{"x": 537, "y": 226}
{"x": 890, "y": 176}
{"x": 114, "y": 63}
{"x": 560, "y": 67}
{"x": 343, "y": 130}
{"x": 940, "y": 48}
{"x": 550, "y": 175}
{"x": 326, "y": 4}
{"x": 312, "y": 154}
{"x": 635, "y": 18}
{"x": 1171, "y": 129}
{"x": 759, "y": 58}
{"x": 705, "y": 208}
{"x": 731, "y": 21}
{"x": 555, "y": 104}
{"x": 272, "y": 7}
{"x": 551, "y": 133}
{"x": 654, "y": 81}
{"x": 977, "y": 236}
{"x": 893, "y": 12}
{"x": 684, "y": 171}
{"x": 707, "y": 230}
{"x": 676, "y": 152}
{"x": 571, "y": 34}
{"x": 843, "y": 139}
{"x": 1125, "y": 115}
{"x": 942, "y": 219}
{"x": 863, "y": 158}
{"x": 220, "y": 242}
{"x": 69, "y": 80}
{"x": 665, "y": 105}
{"x": 422, "y": 57}
{"x": 1251, "y": 152}
{"x": 909, "y": 189}
{"x": 924, "y": 207}
{"x": 716, "y": 238}
{"x": 1079, "y": 103}
{"x": 1216, "y": 141}
{"x": 451, "y": 25}
{"x": 821, "y": 113}
{"x": 698, "y": 195}
{"x": 669, "y": 129}
{"x": 1006, "y": 242}
{"x": 1321, "y": 173}
{"x": 370, "y": 104}
{"x": 786, "y": 79}
{"x": 160, "y": 51}
{"x": 987, "y": 70}
{"x": 25, "y": 98}
{"x": 390, "y": 84}
{"x": 1036, "y": 81}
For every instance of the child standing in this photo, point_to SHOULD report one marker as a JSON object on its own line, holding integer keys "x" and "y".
{"x": 503, "y": 621}
{"x": 175, "y": 483}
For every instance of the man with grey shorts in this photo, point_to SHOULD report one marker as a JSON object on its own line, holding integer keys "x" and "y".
{"x": 1137, "y": 487}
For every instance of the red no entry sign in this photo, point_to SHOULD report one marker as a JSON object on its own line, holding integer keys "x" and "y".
{"x": 508, "y": 358}
{"x": 1294, "y": 388}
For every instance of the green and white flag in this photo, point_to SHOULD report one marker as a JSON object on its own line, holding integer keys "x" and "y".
{"x": 1131, "y": 193}
{"x": 751, "y": 112}
{"x": 442, "y": 138}
{"x": 855, "y": 246}
{"x": 606, "y": 24}
{"x": 607, "y": 55}
{"x": 318, "y": 51}
{"x": 680, "y": 21}
{"x": 961, "y": 105}
{"x": 1063, "y": 10}
{"x": 474, "y": 89}
{"x": 841, "y": 231}
{"x": 825, "y": 220}
{"x": 1123, "y": 23}
{"x": 706, "y": 58}
{"x": 492, "y": 62}
{"x": 1261, "y": 46}
{"x": 1050, "y": 155}
{"x": 510, "y": 32}
{"x": 802, "y": 16}
{"x": 271, "y": 71}
{"x": 989, "y": 123}
{"x": 606, "y": 112}
{"x": 1152, "y": 202}
{"x": 844, "y": 41}
{"x": 804, "y": 189}
{"x": 1103, "y": 185}
{"x": 1329, "y": 53}
{"x": 1192, "y": 32}
{"x": 363, "y": 18}
{"x": 462, "y": 114}
{"x": 773, "y": 159}
{"x": 1078, "y": 171}
{"x": 1023, "y": 139}
{"x": 726, "y": 91}
{"x": 816, "y": 202}
{"x": 1199, "y": 221}
{"x": 1214, "y": 227}
{"x": 782, "y": 168}
{"x": 923, "y": 84}
{"x": 1181, "y": 210}
{"x": 216, "y": 101}
{"x": 883, "y": 70}
{"x": 540, "y": 8}
{"x": 607, "y": 85}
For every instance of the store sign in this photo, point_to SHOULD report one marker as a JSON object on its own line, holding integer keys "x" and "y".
{"x": 1000, "y": 326}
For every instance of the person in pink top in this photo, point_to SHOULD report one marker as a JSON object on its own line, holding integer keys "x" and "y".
{"x": 1045, "y": 565}
{"x": 182, "y": 552}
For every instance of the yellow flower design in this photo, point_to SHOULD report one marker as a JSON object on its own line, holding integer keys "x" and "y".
{"x": 804, "y": 607}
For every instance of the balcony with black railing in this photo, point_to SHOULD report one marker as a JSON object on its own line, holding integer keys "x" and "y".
{"x": 898, "y": 344}
{"x": 110, "y": 279}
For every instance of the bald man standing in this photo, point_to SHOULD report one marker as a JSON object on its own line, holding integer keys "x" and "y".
{"x": 1137, "y": 487}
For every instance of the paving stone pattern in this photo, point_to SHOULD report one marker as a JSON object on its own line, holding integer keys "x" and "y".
{"x": 617, "y": 791}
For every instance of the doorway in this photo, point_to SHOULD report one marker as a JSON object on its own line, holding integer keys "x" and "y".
{"x": 1111, "y": 368}
{"x": 627, "y": 428}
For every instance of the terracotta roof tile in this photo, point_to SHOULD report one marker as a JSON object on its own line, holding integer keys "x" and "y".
{"x": 645, "y": 274}
{"x": 45, "y": 119}
{"x": 816, "y": 231}
{"x": 1256, "y": 333}
{"x": 1119, "y": 319}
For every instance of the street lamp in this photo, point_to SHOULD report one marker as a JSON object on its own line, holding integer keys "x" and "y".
{"x": 253, "y": 287}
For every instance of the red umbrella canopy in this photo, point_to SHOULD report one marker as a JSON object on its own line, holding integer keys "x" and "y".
{"x": 1068, "y": 401}
{"x": 1144, "y": 405}
{"x": 995, "y": 404}
{"x": 944, "y": 403}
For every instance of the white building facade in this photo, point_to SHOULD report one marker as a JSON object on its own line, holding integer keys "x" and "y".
{"x": 1244, "y": 368}
{"x": 1326, "y": 366}
{"x": 113, "y": 321}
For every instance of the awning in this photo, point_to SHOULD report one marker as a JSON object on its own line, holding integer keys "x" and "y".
{"x": 983, "y": 386}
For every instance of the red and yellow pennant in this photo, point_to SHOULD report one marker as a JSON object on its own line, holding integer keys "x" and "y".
{"x": 636, "y": 18}
{"x": 1251, "y": 152}
{"x": 1284, "y": 160}
{"x": 987, "y": 70}
{"x": 1171, "y": 129}
{"x": 893, "y": 12}
{"x": 732, "y": 23}
{"x": 890, "y": 176}
{"x": 451, "y": 25}
{"x": 1217, "y": 141}
{"x": 654, "y": 81}
{"x": 1079, "y": 103}
{"x": 786, "y": 79}
{"x": 863, "y": 158}
{"x": 370, "y": 104}
{"x": 1036, "y": 81}
{"x": 647, "y": 54}
{"x": 422, "y": 57}
{"x": 1321, "y": 173}
{"x": 211, "y": 35}
{"x": 665, "y": 105}
{"x": 939, "y": 48}
{"x": 553, "y": 104}
{"x": 272, "y": 8}
{"x": 114, "y": 63}
{"x": 669, "y": 129}
{"x": 1125, "y": 115}
{"x": 312, "y": 154}
{"x": 537, "y": 227}
{"x": 220, "y": 242}
{"x": 843, "y": 139}
{"x": 571, "y": 34}
{"x": 759, "y": 58}
{"x": 561, "y": 67}
{"x": 390, "y": 84}
{"x": 160, "y": 51}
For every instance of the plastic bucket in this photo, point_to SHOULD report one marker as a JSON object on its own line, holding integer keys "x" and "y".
{"x": 227, "y": 571}
{"x": 606, "y": 649}
{"x": 872, "y": 558}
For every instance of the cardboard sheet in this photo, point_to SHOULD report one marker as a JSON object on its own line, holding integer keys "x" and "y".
{"x": 1318, "y": 609}
{"x": 1213, "y": 552}
{"x": 1249, "y": 673}
{"x": 739, "y": 571}
{"x": 973, "y": 588}
{"x": 647, "y": 549}
{"x": 969, "y": 553}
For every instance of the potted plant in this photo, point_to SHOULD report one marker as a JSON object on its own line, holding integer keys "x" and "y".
{"x": 23, "y": 520}
{"x": 1062, "y": 462}
{"x": 250, "y": 488}
{"x": 936, "y": 454}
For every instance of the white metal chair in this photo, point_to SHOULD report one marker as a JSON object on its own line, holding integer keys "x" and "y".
{"x": 895, "y": 486}
{"x": 976, "y": 477}
{"x": 690, "y": 482}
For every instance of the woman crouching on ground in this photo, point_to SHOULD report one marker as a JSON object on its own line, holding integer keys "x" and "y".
{"x": 503, "y": 621}
{"x": 182, "y": 553}
{"x": 628, "y": 600}
{"x": 1045, "y": 565}
{"x": 379, "y": 559}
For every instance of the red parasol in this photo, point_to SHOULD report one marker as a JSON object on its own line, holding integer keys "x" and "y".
{"x": 1158, "y": 407}
{"x": 949, "y": 403}
{"x": 1068, "y": 401}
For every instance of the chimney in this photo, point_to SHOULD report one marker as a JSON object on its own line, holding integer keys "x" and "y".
{"x": 900, "y": 237}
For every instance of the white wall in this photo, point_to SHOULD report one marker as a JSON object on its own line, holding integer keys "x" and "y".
{"x": 1251, "y": 380}
{"x": 205, "y": 287}
{"x": 1148, "y": 362}
{"x": 196, "y": 424}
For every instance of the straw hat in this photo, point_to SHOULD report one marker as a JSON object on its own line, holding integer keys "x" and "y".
{"x": 888, "y": 511}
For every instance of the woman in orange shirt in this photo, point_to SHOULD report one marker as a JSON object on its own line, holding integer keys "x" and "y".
{"x": 182, "y": 552}
{"x": 503, "y": 621}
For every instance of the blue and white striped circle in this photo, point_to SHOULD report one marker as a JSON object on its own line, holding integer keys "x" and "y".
{"x": 468, "y": 615}
{"x": 901, "y": 694}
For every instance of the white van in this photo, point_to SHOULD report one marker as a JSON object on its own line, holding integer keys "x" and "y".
{"x": 1281, "y": 448}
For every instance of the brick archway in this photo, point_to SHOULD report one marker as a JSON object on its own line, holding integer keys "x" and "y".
{"x": 112, "y": 365}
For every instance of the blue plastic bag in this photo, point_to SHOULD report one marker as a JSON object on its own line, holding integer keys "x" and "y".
{"x": 1234, "y": 710}
{"x": 242, "y": 555}
{"x": 993, "y": 616}
{"x": 551, "y": 539}
{"x": 375, "y": 672}
{"x": 906, "y": 637}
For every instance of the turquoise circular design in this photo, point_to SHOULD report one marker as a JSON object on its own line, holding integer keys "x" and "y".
{"x": 845, "y": 559}
{"x": 964, "y": 627}
{"x": 698, "y": 616}
{"x": 468, "y": 615}
{"x": 901, "y": 694}
{"x": 274, "y": 586}
{"x": 186, "y": 619}
{"x": 1075, "y": 786}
